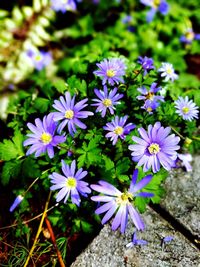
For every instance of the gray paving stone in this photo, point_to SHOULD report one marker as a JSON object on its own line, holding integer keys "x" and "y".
{"x": 108, "y": 249}
{"x": 182, "y": 198}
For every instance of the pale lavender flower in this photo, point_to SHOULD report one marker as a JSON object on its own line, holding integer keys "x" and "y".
{"x": 136, "y": 242}
{"x": 106, "y": 100}
{"x": 63, "y": 5}
{"x": 185, "y": 160}
{"x": 189, "y": 36}
{"x": 16, "y": 203}
{"x": 39, "y": 59}
{"x": 119, "y": 203}
{"x": 117, "y": 128}
{"x": 155, "y": 148}
{"x": 43, "y": 137}
{"x": 186, "y": 108}
{"x": 111, "y": 70}
{"x": 147, "y": 64}
{"x": 156, "y": 6}
{"x": 70, "y": 113}
{"x": 70, "y": 184}
{"x": 167, "y": 71}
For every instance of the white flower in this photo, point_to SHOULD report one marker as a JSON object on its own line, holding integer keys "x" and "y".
{"x": 167, "y": 71}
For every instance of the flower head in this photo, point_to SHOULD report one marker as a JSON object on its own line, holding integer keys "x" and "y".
{"x": 150, "y": 94}
{"x": 136, "y": 241}
{"x": 70, "y": 184}
{"x": 40, "y": 59}
{"x": 117, "y": 128}
{"x": 147, "y": 64}
{"x": 186, "y": 108}
{"x": 155, "y": 148}
{"x": 121, "y": 203}
{"x": 189, "y": 36}
{"x": 17, "y": 201}
{"x": 70, "y": 113}
{"x": 111, "y": 70}
{"x": 156, "y": 5}
{"x": 63, "y": 5}
{"x": 150, "y": 106}
{"x": 106, "y": 100}
{"x": 167, "y": 71}
{"x": 43, "y": 137}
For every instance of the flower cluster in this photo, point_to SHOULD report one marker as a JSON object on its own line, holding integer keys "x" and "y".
{"x": 151, "y": 100}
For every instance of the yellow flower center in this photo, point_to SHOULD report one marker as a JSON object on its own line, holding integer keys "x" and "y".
{"x": 110, "y": 73}
{"x": 71, "y": 182}
{"x": 124, "y": 198}
{"x": 185, "y": 110}
{"x": 46, "y": 138}
{"x": 118, "y": 130}
{"x": 150, "y": 96}
{"x": 38, "y": 58}
{"x": 154, "y": 148}
{"x": 169, "y": 71}
{"x": 156, "y": 3}
{"x": 149, "y": 109}
{"x": 69, "y": 114}
{"x": 107, "y": 102}
{"x": 189, "y": 36}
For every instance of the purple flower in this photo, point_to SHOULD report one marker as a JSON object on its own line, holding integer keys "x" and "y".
{"x": 185, "y": 161}
{"x": 189, "y": 36}
{"x": 147, "y": 64}
{"x": 167, "y": 239}
{"x": 106, "y": 100}
{"x": 150, "y": 106}
{"x": 111, "y": 70}
{"x": 150, "y": 94}
{"x": 127, "y": 19}
{"x": 70, "y": 184}
{"x": 136, "y": 241}
{"x": 70, "y": 113}
{"x": 17, "y": 201}
{"x": 40, "y": 59}
{"x": 155, "y": 147}
{"x": 63, "y": 5}
{"x": 167, "y": 71}
{"x": 156, "y": 5}
{"x": 186, "y": 108}
{"x": 43, "y": 137}
{"x": 121, "y": 203}
{"x": 117, "y": 128}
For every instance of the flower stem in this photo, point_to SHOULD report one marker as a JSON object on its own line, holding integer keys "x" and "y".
{"x": 177, "y": 132}
{"x": 38, "y": 231}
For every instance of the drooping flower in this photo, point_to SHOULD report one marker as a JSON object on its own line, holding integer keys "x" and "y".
{"x": 106, "y": 100}
{"x": 147, "y": 64}
{"x": 117, "y": 128}
{"x": 189, "y": 36}
{"x": 168, "y": 72}
{"x": 136, "y": 242}
{"x": 16, "y": 203}
{"x": 185, "y": 160}
{"x": 70, "y": 113}
{"x": 119, "y": 203}
{"x": 186, "y": 108}
{"x": 43, "y": 137}
{"x": 156, "y": 6}
{"x": 70, "y": 184}
{"x": 111, "y": 70}
{"x": 155, "y": 148}
{"x": 63, "y": 5}
{"x": 39, "y": 59}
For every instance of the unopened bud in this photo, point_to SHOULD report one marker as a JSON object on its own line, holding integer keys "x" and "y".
{"x": 188, "y": 141}
{"x": 17, "y": 201}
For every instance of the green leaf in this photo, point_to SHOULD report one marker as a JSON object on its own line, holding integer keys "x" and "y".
{"x": 11, "y": 149}
{"x": 41, "y": 104}
{"x": 87, "y": 227}
{"x": 10, "y": 170}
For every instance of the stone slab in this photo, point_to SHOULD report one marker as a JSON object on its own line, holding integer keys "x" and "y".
{"x": 108, "y": 249}
{"x": 182, "y": 198}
